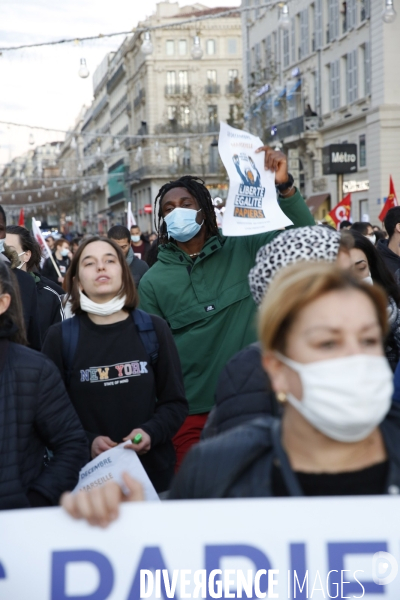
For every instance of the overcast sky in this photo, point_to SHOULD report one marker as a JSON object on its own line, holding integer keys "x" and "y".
{"x": 41, "y": 86}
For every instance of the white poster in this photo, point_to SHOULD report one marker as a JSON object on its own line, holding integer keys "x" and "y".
{"x": 251, "y": 206}
{"x": 110, "y": 465}
{"x": 129, "y": 217}
{"x": 281, "y": 548}
{"x": 44, "y": 248}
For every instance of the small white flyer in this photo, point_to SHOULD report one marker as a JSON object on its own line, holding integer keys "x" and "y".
{"x": 109, "y": 466}
{"x": 251, "y": 206}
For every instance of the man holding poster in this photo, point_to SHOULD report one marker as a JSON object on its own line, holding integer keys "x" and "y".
{"x": 199, "y": 284}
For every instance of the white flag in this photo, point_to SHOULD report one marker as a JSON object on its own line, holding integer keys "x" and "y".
{"x": 130, "y": 217}
{"x": 251, "y": 206}
{"x": 46, "y": 252}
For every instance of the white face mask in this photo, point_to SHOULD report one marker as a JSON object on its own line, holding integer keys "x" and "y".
{"x": 344, "y": 398}
{"x": 371, "y": 238}
{"x": 103, "y": 310}
{"x": 22, "y": 261}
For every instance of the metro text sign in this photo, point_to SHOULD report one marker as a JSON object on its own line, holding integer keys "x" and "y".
{"x": 339, "y": 158}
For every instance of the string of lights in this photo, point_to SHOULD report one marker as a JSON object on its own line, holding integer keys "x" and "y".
{"x": 176, "y": 139}
{"x": 143, "y": 29}
{"x": 95, "y": 135}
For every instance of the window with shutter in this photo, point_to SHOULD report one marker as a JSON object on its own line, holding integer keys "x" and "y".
{"x": 365, "y": 9}
{"x": 293, "y": 39}
{"x": 349, "y": 77}
{"x": 355, "y": 75}
{"x": 285, "y": 48}
{"x": 335, "y": 84}
{"x": 351, "y": 11}
{"x": 318, "y": 24}
{"x": 333, "y": 19}
{"x": 304, "y": 34}
{"x": 367, "y": 69}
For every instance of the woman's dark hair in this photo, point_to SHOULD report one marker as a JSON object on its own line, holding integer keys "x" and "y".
{"x": 379, "y": 272}
{"x": 195, "y": 186}
{"x": 28, "y": 243}
{"x": 12, "y": 325}
{"x": 71, "y": 281}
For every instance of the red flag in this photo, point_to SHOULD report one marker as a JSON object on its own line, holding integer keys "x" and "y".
{"x": 391, "y": 201}
{"x": 21, "y": 221}
{"x": 340, "y": 213}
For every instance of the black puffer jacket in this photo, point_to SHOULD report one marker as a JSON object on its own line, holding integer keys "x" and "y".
{"x": 50, "y": 306}
{"x": 243, "y": 393}
{"x": 391, "y": 259}
{"x": 35, "y": 413}
{"x": 238, "y": 463}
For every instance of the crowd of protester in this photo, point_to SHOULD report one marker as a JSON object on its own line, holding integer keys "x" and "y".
{"x": 253, "y": 366}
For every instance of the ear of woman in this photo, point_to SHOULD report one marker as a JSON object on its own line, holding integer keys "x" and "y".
{"x": 5, "y": 301}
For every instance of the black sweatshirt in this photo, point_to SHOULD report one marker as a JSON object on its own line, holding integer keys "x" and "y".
{"x": 114, "y": 389}
{"x": 49, "y": 270}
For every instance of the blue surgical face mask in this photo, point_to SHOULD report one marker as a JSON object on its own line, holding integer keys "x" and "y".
{"x": 135, "y": 238}
{"x": 1, "y": 245}
{"x": 182, "y": 225}
{"x": 64, "y": 252}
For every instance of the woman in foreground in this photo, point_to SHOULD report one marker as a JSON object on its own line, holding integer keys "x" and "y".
{"x": 322, "y": 336}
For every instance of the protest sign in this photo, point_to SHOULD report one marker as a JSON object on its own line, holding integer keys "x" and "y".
{"x": 130, "y": 218}
{"x": 329, "y": 547}
{"x": 110, "y": 465}
{"x": 44, "y": 249}
{"x": 251, "y": 206}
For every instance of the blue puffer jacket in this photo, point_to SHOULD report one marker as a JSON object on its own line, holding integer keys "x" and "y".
{"x": 35, "y": 414}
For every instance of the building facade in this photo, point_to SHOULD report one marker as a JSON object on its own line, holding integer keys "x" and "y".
{"x": 327, "y": 79}
{"x": 178, "y": 101}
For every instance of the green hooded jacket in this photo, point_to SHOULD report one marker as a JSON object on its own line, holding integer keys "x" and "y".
{"x": 207, "y": 302}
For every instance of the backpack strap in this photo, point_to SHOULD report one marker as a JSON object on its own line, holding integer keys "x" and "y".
{"x": 145, "y": 327}
{"x": 70, "y": 337}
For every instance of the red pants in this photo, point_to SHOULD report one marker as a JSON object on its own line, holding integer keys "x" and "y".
{"x": 188, "y": 435}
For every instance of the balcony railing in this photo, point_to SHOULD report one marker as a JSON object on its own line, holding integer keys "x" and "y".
{"x": 177, "y": 89}
{"x": 293, "y": 127}
{"x": 212, "y": 88}
{"x": 233, "y": 87}
{"x": 172, "y": 169}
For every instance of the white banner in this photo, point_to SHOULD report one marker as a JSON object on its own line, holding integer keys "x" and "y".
{"x": 251, "y": 206}
{"x": 110, "y": 465}
{"x": 329, "y": 547}
{"x": 130, "y": 218}
{"x": 46, "y": 252}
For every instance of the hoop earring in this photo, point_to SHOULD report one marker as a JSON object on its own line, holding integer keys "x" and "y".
{"x": 281, "y": 397}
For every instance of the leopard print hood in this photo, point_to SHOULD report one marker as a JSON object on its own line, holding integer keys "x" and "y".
{"x": 292, "y": 246}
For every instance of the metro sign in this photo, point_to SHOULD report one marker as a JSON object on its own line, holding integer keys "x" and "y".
{"x": 339, "y": 158}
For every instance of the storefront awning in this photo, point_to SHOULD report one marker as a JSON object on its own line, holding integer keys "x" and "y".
{"x": 314, "y": 202}
{"x": 293, "y": 89}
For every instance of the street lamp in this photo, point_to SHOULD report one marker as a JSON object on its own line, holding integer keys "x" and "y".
{"x": 147, "y": 46}
{"x": 196, "y": 51}
{"x": 83, "y": 70}
{"x": 284, "y": 19}
{"x": 388, "y": 13}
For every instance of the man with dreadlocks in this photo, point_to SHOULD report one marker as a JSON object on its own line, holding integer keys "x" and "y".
{"x": 199, "y": 284}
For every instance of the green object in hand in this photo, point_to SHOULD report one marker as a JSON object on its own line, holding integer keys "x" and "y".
{"x": 137, "y": 439}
